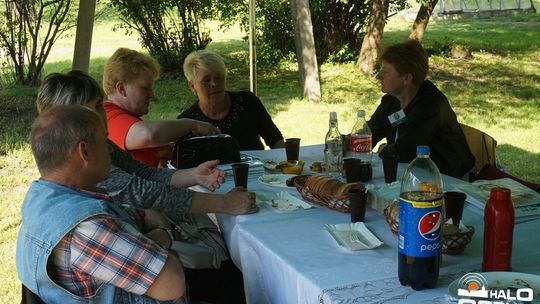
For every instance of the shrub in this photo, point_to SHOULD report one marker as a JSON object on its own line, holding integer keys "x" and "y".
{"x": 337, "y": 27}
{"x": 169, "y": 29}
{"x": 28, "y": 30}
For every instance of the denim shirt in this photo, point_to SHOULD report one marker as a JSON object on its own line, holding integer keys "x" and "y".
{"x": 49, "y": 212}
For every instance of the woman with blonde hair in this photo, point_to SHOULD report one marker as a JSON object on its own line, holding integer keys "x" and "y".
{"x": 128, "y": 80}
{"x": 240, "y": 114}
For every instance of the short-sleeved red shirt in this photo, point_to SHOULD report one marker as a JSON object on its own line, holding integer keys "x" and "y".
{"x": 118, "y": 122}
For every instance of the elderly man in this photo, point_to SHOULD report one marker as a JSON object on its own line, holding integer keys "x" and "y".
{"x": 74, "y": 244}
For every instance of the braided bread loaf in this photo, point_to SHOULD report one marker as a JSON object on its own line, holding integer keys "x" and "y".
{"x": 322, "y": 185}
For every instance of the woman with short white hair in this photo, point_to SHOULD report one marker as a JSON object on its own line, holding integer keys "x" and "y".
{"x": 240, "y": 114}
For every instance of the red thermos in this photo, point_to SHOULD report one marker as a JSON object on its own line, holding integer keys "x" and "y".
{"x": 498, "y": 231}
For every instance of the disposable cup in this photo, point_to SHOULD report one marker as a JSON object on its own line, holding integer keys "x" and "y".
{"x": 357, "y": 204}
{"x": 390, "y": 164}
{"x": 292, "y": 148}
{"x": 240, "y": 173}
{"x": 352, "y": 169}
{"x": 454, "y": 201}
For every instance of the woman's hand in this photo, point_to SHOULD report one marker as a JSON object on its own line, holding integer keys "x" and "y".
{"x": 165, "y": 154}
{"x": 240, "y": 201}
{"x": 208, "y": 175}
{"x": 204, "y": 128}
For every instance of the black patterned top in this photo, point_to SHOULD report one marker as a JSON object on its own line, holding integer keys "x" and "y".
{"x": 141, "y": 186}
{"x": 247, "y": 121}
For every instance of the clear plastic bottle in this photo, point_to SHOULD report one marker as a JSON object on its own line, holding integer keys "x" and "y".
{"x": 420, "y": 221}
{"x": 333, "y": 148}
{"x": 498, "y": 231}
{"x": 361, "y": 138}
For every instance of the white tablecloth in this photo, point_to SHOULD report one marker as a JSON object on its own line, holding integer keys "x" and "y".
{"x": 290, "y": 257}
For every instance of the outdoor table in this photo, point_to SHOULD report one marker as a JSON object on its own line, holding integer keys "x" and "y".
{"x": 289, "y": 257}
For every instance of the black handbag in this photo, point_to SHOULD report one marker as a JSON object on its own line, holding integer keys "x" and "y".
{"x": 193, "y": 151}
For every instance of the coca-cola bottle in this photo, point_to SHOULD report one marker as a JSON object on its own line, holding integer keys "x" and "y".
{"x": 361, "y": 144}
{"x": 498, "y": 231}
{"x": 333, "y": 148}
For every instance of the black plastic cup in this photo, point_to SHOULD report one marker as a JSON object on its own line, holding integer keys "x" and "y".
{"x": 366, "y": 171}
{"x": 292, "y": 148}
{"x": 454, "y": 201}
{"x": 357, "y": 204}
{"x": 240, "y": 173}
{"x": 390, "y": 164}
{"x": 352, "y": 169}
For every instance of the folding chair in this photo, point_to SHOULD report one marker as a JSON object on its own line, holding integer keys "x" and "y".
{"x": 482, "y": 146}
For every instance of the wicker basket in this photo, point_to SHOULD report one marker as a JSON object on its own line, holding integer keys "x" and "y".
{"x": 339, "y": 204}
{"x": 390, "y": 219}
{"x": 454, "y": 243}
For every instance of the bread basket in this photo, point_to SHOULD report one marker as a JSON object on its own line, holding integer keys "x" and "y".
{"x": 339, "y": 204}
{"x": 453, "y": 242}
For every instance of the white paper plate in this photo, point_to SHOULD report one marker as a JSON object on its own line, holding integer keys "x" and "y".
{"x": 342, "y": 234}
{"x": 497, "y": 281}
{"x": 282, "y": 201}
{"x": 275, "y": 180}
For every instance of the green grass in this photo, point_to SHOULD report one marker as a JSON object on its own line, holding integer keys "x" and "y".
{"x": 497, "y": 91}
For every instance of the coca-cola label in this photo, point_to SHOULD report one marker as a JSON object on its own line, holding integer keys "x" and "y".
{"x": 360, "y": 144}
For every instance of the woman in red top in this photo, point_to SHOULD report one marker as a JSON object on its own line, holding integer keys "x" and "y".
{"x": 128, "y": 80}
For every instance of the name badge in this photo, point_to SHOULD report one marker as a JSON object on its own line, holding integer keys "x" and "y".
{"x": 397, "y": 118}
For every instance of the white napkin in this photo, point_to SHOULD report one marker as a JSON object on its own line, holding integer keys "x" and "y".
{"x": 461, "y": 227}
{"x": 252, "y": 162}
{"x": 342, "y": 233}
{"x": 381, "y": 196}
{"x": 282, "y": 201}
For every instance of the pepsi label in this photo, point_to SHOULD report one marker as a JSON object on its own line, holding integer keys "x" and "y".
{"x": 420, "y": 226}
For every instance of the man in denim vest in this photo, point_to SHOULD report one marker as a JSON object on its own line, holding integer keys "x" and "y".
{"x": 74, "y": 244}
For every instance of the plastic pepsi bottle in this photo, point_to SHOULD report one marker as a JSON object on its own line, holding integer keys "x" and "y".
{"x": 420, "y": 220}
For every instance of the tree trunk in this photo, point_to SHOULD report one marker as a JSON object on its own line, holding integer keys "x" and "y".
{"x": 83, "y": 37}
{"x": 422, "y": 19}
{"x": 371, "y": 44}
{"x": 305, "y": 50}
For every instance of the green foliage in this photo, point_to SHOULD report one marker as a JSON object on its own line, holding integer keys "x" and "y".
{"x": 28, "y": 30}
{"x": 168, "y": 29}
{"x": 440, "y": 48}
{"x": 497, "y": 91}
{"x": 337, "y": 25}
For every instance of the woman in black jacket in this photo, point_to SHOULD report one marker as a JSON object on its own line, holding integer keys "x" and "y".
{"x": 414, "y": 112}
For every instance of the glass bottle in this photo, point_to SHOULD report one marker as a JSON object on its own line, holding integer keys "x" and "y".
{"x": 333, "y": 148}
